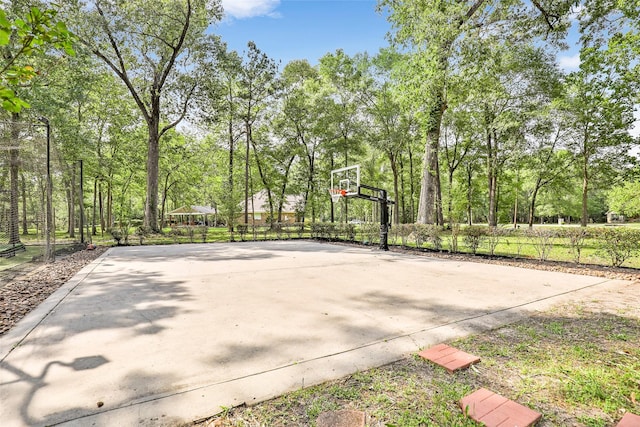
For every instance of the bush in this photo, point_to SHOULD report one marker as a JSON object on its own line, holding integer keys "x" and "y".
{"x": 474, "y": 237}
{"x": 618, "y": 244}
{"x": 542, "y": 241}
{"x": 142, "y": 232}
{"x": 404, "y": 231}
{"x": 117, "y": 235}
{"x": 370, "y": 233}
{"x": 453, "y": 239}
{"x": 175, "y": 234}
{"x": 242, "y": 229}
{"x": 494, "y": 237}
{"x": 427, "y": 233}
{"x": 203, "y": 230}
{"x": 576, "y": 238}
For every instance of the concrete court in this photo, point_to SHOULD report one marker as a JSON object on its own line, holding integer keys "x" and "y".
{"x": 157, "y": 335}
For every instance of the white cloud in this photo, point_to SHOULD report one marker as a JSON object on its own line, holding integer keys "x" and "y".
{"x": 569, "y": 63}
{"x": 241, "y": 9}
{"x": 576, "y": 12}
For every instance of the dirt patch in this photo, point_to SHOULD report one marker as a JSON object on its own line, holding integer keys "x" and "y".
{"x": 27, "y": 290}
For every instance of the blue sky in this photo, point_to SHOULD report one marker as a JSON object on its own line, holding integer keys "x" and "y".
{"x": 308, "y": 29}
{"x": 303, "y": 29}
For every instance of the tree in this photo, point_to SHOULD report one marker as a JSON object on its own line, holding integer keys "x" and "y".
{"x": 24, "y": 35}
{"x": 625, "y": 199}
{"x": 601, "y": 113}
{"x": 390, "y": 124}
{"x": 256, "y": 85}
{"x": 303, "y": 121}
{"x": 154, "y": 57}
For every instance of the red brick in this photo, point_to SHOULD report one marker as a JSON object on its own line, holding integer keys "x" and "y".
{"x": 494, "y": 410}
{"x": 344, "y": 418}
{"x": 448, "y": 357}
{"x": 629, "y": 420}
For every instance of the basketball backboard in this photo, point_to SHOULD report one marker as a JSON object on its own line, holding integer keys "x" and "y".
{"x": 344, "y": 182}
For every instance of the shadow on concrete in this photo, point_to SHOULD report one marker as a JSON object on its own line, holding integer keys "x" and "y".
{"x": 35, "y": 383}
{"x": 134, "y": 302}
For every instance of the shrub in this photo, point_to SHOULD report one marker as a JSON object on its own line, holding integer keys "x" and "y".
{"x": 474, "y": 237}
{"x": 494, "y": 237}
{"x": 203, "y": 230}
{"x": 542, "y": 241}
{"x": 370, "y": 233}
{"x": 175, "y": 233}
{"x": 141, "y": 233}
{"x": 243, "y": 229}
{"x": 427, "y": 233}
{"x": 117, "y": 235}
{"x": 619, "y": 244}
{"x": 577, "y": 238}
{"x": 404, "y": 231}
{"x": 453, "y": 239}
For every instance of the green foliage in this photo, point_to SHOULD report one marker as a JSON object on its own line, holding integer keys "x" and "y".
{"x": 577, "y": 238}
{"x": 618, "y": 243}
{"x": 474, "y": 237}
{"x": 425, "y": 233}
{"x": 625, "y": 199}
{"x": 542, "y": 241}
{"x": 22, "y": 39}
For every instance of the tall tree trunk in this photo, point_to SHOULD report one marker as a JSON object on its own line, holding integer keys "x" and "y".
{"x": 396, "y": 189}
{"x": 94, "y": 231}
{"x": 25, "y": 226}
{"x": 412, "y": 189}
{"x": 71, "y": 194}
{"x": 439, "y": 216}
{"x": 230, "y": 190}
{"x": 110, "y": 222}
{"x": 263, "y": 178}
{"x": 429, "y": 184}
{"x": 153, "y": 161}
{"x": 246, "y": 173}
{"x": 532, "y": 205}
{"x": 283, "y": 188}
{"x": 585, "y": 190}
{"x": 14, "y": 168}
{"x": 492, "y": 176}
{"x": 449, "y": 196}
{"x": 469, "y": 194}
{"x": 332, "y": 213}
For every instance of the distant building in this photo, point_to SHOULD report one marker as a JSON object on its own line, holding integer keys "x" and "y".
{"x": 259, "y": 209}
{"x": 192, "y": 215}
{"x": 614, "y": 218}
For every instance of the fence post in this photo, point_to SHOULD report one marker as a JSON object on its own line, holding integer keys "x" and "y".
{"x": 81, "y": 202}
{"x": 49, "y": 252}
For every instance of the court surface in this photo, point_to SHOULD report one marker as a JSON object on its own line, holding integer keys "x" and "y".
{"x": 156, "y": 335}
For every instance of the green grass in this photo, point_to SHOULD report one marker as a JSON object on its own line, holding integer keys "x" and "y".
{"x": 567, "y": 364}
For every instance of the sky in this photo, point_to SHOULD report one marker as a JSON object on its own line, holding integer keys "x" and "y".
{"x": 303, "y": 29}
{"x": 308, "y": 29}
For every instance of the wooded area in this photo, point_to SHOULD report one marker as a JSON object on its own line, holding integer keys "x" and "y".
{"x": 465, "y": 118}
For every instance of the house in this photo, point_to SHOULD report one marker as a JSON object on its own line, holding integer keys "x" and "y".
{"x": 259, "y": 209}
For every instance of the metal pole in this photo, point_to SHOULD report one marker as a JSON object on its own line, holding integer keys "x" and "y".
{"x": 81, "y": 203}
{"x": 49, "y": 253}
{"x": 384, "y": 221}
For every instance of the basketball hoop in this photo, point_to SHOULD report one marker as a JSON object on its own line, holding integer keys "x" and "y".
{"x": 337, "y": 193}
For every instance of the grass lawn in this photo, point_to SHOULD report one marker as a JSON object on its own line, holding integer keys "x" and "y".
{"x": 579, "y": 365}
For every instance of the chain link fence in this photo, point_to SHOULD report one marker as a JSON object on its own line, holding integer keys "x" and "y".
{"x": 38, "y": 198}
